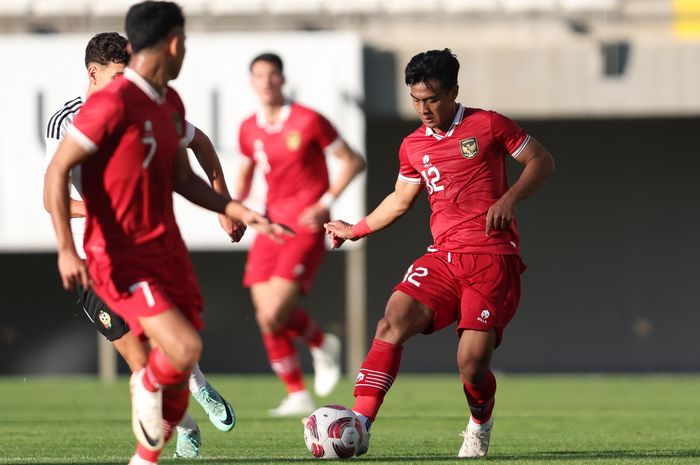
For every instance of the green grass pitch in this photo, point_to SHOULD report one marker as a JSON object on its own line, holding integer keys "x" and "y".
{"x": 538, "y": 420}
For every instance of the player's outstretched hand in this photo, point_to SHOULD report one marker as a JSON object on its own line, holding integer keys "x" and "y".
{"x": 338, "y": 231}
{"x": 233, "y": 228}
{"x": 500, "y": 215}
{"x": 72, "y": 270}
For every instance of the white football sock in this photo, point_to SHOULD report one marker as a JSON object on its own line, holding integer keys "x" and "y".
{"x": 187, "y": 422}
{"x": 197, "y": 379}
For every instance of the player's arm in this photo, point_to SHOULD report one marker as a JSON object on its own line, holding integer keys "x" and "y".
{"x": 538, "y": 166}
{"x": 244, "y": 178}
{"x": 77, "y": 207}
{"x": 56, "y": 199}
{"x": 351, "y": 165}
{"x": 393, "y": 207}
{"x": 196, "y": 190}
{"x": 205, "y": 153}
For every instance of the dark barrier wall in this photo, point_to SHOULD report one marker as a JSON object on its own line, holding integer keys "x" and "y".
{"x": 611, "y": 245}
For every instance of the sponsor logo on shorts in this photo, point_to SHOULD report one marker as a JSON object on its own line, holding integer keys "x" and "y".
{"x": 484, "y": 316}
{"x": 299, "y": 269}
{"x": 105, "y": 319}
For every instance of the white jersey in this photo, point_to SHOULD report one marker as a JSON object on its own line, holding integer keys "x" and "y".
{"x": 55, "y": 132}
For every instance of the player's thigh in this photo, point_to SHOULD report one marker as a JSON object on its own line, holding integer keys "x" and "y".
{"x": 300, "y": 258}
{"x": 430, "y": 281}
{"x": 261, "y": 260}
{"x": 275, "y": 295}
{"x": 108, "y": 323}
{"x": 490, "y": 292}
{"x": 404, "y": 317}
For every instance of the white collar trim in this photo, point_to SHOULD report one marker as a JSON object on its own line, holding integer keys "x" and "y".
{"x": 144, "y": 85}
{"x": 459, "y": 116}
{"x": 282, "y": 118}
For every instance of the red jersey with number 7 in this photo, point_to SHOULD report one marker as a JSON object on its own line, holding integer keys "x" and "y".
{"x": 127, "y": 183}
{"x": 464, "y": 172}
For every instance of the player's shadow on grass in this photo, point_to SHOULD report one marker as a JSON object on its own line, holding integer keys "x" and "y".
{"x": 599, "y": 455}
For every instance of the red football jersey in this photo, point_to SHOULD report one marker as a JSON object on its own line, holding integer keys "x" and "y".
{"x": 291, "y": 154}
{"x": 464, "y": 173}
{"x": 128, "y": 182}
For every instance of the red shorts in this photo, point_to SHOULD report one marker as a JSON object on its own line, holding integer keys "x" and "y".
{"x": 143, "y": 288}
{"x": 297, "y": 259}
{"x": 479, "y": 291}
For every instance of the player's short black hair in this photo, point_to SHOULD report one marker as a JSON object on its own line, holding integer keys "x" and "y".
{"x": 439, "y": 65}
{"x": 106, "y": 48}
{"x": 268, "y": 57}
{"x": 149, "y": 23}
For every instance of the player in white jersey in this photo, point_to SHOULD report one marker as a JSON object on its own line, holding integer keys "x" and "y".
{"x": 105, "y": 58}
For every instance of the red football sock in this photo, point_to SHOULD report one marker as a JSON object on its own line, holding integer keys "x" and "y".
{"x": 161, "y": 373}
{"x": 481, "y": 397}
{"x": 376, "y": 377}
{"x": 174, "y": 408}
{"x": 284, "y": 360}
{"x": 150, "y": 455}
{"x": 300, "y": 324}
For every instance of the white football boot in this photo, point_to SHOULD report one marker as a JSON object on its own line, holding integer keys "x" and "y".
{"x": 146, "y": 413}
{"x": 476, "y": 439}
{"x": 326, "y": 364}
{"x": 295, "y": 404}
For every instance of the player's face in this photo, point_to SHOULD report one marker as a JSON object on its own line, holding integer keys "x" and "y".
{"x": 434, "y": 106}
{"x": 101, "y": 75}
{"x": 267, "y": 81}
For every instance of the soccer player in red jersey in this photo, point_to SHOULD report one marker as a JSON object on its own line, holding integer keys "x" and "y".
{"x": 288, "y": 142}
{"x": 471, "y": 273}
{"x": 106, "y": 56}
{"x": 130, "y": 141}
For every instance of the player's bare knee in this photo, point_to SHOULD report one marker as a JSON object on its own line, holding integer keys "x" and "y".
{"x": 472, "y": 370}
{"x": 185, "y": 353}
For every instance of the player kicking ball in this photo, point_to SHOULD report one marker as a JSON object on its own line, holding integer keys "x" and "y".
{"x": 106, "y": 56}
{"x": 129, "y": 140}
{"x": 471, "y": 273}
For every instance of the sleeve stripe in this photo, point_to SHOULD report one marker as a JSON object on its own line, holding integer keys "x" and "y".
{"x": 333, "y": 146}
{"x": 521, "y": 147}
{"x": 184, "y": 142}
{"x": 53, "y": 128}
{"x": 83, "y": 141}
{"x": 410, "y": 180}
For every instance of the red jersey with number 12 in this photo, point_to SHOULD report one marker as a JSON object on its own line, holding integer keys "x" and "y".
{"x": 464, "y": 173}
{"x": 128, "y": 182}
{"x": 291, "y": 154}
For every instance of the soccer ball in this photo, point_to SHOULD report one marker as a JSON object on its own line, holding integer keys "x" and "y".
{"x": 332, "y": 432}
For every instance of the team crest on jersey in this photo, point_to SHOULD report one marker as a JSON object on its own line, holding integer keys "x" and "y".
{"x": 177, "y": 121}
{"x": 469, "y": 147}
{"x": 293, "y": 140}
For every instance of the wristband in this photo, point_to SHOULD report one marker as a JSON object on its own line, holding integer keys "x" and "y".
{"x": 360, "y": 229}
{"x": 327, "y": 200}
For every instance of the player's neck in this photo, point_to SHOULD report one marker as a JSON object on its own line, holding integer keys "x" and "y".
{"x": 152, "y": 69}
{"x": 272, "y": 110}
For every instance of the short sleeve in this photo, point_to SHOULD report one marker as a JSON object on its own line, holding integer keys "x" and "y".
{"x": 510, "y": 135}
{"x": 407, "y": 173}
{"x": 244, "y": 144}
{"x": 100, "y": 118}
{"x": 325, "y": 133}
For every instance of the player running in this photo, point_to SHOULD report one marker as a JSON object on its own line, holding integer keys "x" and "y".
{"x": 106, "y": 56}
{"x": 130, "y": 141}
{"x": 288, "y": 142}
{"x": 471, "y": 273}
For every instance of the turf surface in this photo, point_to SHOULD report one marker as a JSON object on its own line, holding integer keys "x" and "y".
{"x": 539, "y": 420}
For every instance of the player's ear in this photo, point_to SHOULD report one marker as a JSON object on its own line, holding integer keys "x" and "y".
{"x": 129, "y": 49}
{"x": 92, "y": 74}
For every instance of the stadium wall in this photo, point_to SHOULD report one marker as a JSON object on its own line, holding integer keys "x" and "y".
{"x": 610, "y": 242}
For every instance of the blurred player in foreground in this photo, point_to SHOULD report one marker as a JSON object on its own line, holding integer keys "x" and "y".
{"x": 289, "y": 143}
{"x": 471, "y": 273}
{"x": 106, "y": 56}
{"x": 130, "y": 141}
